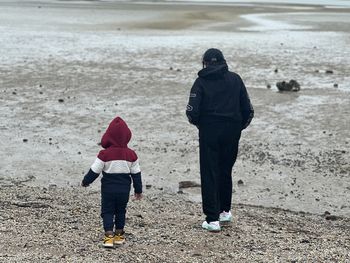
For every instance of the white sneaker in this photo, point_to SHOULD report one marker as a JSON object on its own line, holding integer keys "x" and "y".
{"x": 225, "y": 217}
{"x": 212, "y": 226}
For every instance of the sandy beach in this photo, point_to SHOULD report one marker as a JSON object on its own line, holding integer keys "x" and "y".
{"x": 68, "y": 68}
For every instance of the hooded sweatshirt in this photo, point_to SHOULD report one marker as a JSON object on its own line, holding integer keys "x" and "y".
{"x": 219, "y": 95}
{"x": 118, "y": 164}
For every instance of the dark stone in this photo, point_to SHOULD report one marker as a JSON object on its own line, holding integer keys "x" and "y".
{"x": 268, "y": 86}
{"x": 14, "y": 93}
{"x": 326, "y": 213}
{"x": 188, "y": 184}
{"x": 292, "y": 85}
{"x": 276, "y": 70}
{"x": 79, "y": 152}
{"x": 331, "y": 217}
{"x": 25, "y": 140}
{"x": 305, "y": 241}
{"x": 61, "y": 100}
{"x": 328, "y": 71}
{"x": 240, "y": 182}
{"x": 148, "y": 186}
{"x": 335, "y": 85}
{"x": 171, "y": 68}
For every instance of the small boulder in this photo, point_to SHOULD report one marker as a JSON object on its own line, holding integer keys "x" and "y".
{"x": 292, "y": 85}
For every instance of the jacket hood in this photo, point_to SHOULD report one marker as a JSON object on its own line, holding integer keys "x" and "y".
{"x": 213, "y": 71}
{"x": 117, "y": 134}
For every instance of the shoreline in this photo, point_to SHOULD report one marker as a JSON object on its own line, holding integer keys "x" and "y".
{"x": 66, "y": 72}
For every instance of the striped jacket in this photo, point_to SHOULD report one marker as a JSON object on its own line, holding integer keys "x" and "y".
{"x": 118, "y": 164}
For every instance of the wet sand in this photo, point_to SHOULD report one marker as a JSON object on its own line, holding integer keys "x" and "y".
{"x": 67, "y": 69}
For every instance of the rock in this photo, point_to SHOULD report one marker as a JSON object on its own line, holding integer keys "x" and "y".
{"x": 305, "y": 241}
{"x": 148, "y": 186}
{"x": 328, "y": 71}
{"x": 188, "y": 184}
{"x": 60, "y": 100}
{"x": 292, "y": 85}
{"x": 268, "y": 86}
{"x": 52, "y": 186}
{"x": 326, "y": 213}
{"x": 178, "y": 70}
{"x": 25, "y": 140}
{"x": 276, "y": 70}
{"x": 331, "y": 217}
{"x": 240, "y": 182}
{"x": 335, "y": 85}
{"x": 171, "y": 68}
{"x": 79, "y": 152}
{"x": 14, "y": 93}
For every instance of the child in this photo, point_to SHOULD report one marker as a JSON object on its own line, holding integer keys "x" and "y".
{"x": 119, "y": 166}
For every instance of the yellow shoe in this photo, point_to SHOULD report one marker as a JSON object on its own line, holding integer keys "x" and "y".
{"x": 119, "y": 239}
{"x": 108, "y": 241}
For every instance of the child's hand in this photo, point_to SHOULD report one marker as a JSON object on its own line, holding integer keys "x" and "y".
{"x": 138, "y": 196}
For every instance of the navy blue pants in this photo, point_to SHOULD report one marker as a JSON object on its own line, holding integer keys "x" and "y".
{"x": 218, "y": 148}
{"x": 113, "y": 210}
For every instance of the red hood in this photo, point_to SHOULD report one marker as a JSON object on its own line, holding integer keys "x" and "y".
{"x": 117, "y": 134}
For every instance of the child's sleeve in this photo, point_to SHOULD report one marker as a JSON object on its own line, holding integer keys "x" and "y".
{"x": 94, "y": 172}
{"x": 136, "y": 176}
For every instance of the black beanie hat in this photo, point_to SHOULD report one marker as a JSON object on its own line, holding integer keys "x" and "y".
{"x": 213, "y": 56}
